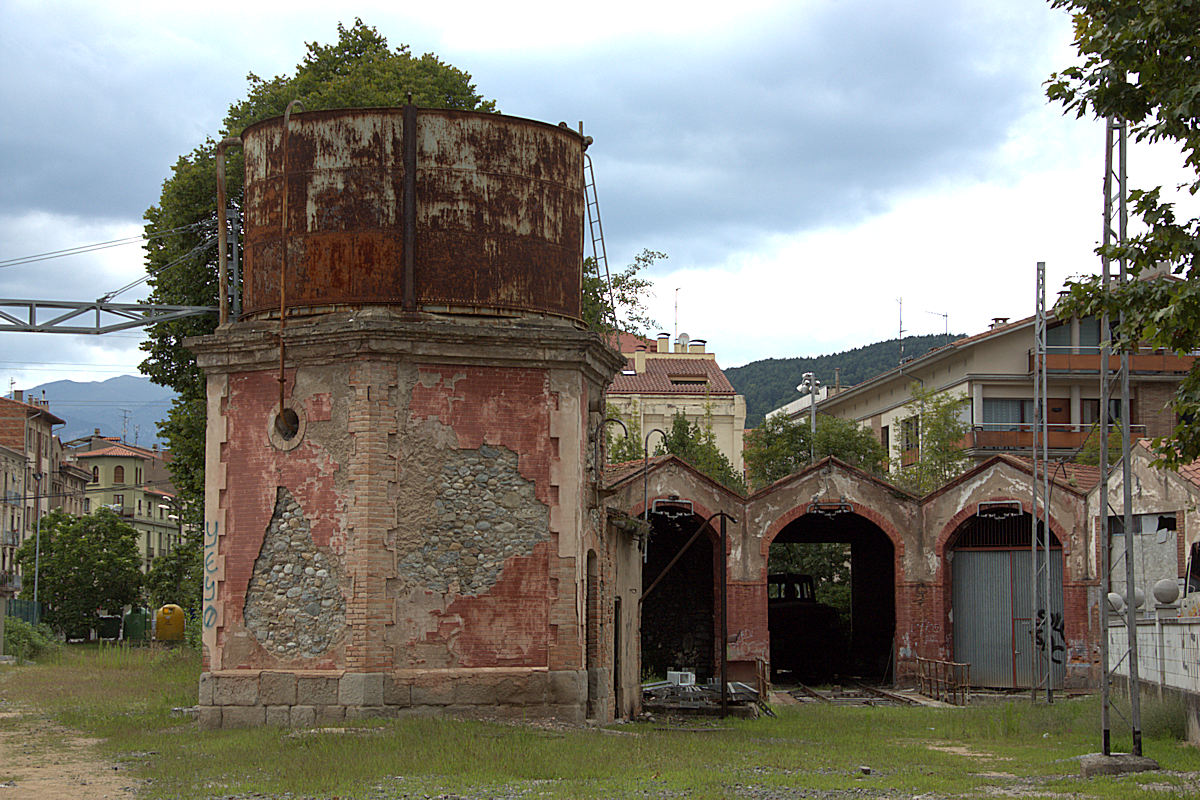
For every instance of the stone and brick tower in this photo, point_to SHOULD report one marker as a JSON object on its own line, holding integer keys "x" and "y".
{"x": 401, "y": 510}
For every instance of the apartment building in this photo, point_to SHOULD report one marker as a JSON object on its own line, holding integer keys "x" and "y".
{"x": 132, "y": 481}
{"x": 660, "y": 380}
{"x": 39, "y": 475}
{"x": 993, "y": 374}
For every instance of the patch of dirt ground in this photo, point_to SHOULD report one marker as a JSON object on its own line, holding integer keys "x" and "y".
{"x": 43, "y": 760}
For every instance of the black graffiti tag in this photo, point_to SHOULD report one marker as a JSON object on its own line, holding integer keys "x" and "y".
{"x": 1058, "y": 637}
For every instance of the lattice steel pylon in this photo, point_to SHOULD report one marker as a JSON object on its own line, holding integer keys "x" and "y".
{"x": 1116, "y": 219}
{"x": 1041, "y": 650}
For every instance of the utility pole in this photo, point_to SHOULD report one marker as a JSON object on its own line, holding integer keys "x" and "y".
{"x": 1116, "y": 219}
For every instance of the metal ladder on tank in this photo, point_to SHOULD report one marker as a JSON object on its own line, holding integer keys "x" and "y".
{"x": 596, "y": 233}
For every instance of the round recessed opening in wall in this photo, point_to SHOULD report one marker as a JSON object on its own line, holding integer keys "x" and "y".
{"x": 286, "y": 427}
{"x": 287, "y": 423}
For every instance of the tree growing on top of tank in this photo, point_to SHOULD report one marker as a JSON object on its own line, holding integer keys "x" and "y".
{"x": 619, "y": 304}
{"x": 360, "y": 70}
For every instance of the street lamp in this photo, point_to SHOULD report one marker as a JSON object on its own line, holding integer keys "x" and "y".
{"x": 811, "y": 384}
{"x": 37, "y": 541}
{"x": 645, "y": 467}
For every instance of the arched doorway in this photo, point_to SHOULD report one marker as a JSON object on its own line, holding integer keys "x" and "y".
{"x": 852, "y": 564}
{"x": 991, "y": 607}
{"x": 678, "y": 620}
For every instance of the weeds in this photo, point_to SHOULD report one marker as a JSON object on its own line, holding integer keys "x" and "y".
{"x": 25, "y": 641}
{"x": 125, "y": 695}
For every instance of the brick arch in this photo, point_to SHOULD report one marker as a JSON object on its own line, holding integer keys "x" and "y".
{"x": 945, "y": 578}
{"x": 951, "y": 527}
{"x": 866, "y": 512}
{"x": 698, "y": 508}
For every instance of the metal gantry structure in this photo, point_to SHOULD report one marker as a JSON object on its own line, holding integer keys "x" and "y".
{"x": 102, "y": 315}
{"x": 1116, "y": 219}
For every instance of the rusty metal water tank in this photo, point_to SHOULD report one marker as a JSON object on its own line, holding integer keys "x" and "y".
{"x": 425, "y": 209}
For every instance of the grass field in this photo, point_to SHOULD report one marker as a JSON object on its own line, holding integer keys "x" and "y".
{"x": 1013, "y": 748}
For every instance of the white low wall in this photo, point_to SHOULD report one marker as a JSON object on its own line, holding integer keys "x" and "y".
{"x": 1168, "y": 650}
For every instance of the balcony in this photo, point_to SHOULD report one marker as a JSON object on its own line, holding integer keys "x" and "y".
{"x": 1006, "y": 436}
{"x": 1143, "y": 360}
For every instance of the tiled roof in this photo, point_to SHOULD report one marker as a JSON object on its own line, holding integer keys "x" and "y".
{"x": 628, "y": 342}
{"x": 1078, "y": 476}
{"x": 657, "y": 379}
{"x": 615, "y": 473}
{"x": 115, "y": 450}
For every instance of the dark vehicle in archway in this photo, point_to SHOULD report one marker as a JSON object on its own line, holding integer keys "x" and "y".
{"x": 807, "y": 642}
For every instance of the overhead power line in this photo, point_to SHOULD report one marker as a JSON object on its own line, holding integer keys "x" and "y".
{"x": 88, "y": 248}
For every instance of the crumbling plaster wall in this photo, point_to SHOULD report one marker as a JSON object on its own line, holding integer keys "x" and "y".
{"x": 946, "y": 510}
{"x": 894, "y": 512}
{"x": 451, "y": 496}
{"x": 1153, "y": 491}
{"x": 920, "y": 531}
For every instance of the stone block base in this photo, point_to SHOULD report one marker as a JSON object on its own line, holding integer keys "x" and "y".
{"x": 241, "y": 698}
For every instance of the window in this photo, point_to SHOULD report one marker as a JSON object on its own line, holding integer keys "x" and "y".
{"x": 87, "y": 505}
{"x": 1007, "y": 413}
{"x": 885, "y": 439}
{"x": 1143, "y": 524}
{"x": 95, "y": 474}
{"x": 118, "y": 474}
{"x": 910, "y": 433}
{"x": 1058, "y": 337}
{"x": 139, "y": 507}
{"x": 119, "y": 501}
{"x": 1090, "y": 411}
{"x": 137, "y": 472}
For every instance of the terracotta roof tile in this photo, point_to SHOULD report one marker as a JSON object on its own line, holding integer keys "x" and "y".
{"x": 1078, "y": 476}
{"x": 690, "y": 375}
{"x": 628, "y": 342}
{"x": 115, "y": 450}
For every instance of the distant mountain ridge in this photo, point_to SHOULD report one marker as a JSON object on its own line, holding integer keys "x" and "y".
{"x": 128, "y": 404}
{"x": 771, "y": 382}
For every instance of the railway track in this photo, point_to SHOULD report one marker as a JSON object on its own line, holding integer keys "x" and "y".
{"x": 851, "y": 693}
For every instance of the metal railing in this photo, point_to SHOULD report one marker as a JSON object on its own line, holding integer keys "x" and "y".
{"x": 948, "y": 681}
{"x": 1064, "y": 358}
{"x": 1020, "y": 435}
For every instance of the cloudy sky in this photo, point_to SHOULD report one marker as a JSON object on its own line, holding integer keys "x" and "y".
{"x": 805, "y": 165}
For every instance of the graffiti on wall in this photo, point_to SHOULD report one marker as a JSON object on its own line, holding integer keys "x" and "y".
{"x": 1058, "y": 639}
{"x": 210, "y": 573}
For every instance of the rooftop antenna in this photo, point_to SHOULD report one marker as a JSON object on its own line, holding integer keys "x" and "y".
{"x": 676, "y": 312}
{"x": 900, "y": 300}
{"x": 945, "y": 318}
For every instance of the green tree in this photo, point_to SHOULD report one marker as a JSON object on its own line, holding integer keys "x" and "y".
{"x": 940, "y": 429}
{"x": 827, "y": 562}
{"x": 1089, "y": 454}
{"x": 620, "y": 306}
{"x": 87, "y": 563}
{"x": 1140, "y": 64}
{"x": 780, "y": 446}
{"x": 177, "y": 577}
{"x": 696, "y": 444}
{"x": 622, "y": 446}
{"x": 359, "y": 70}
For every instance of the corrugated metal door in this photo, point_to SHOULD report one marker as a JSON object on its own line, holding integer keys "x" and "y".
{"x": 991, "y": 607}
